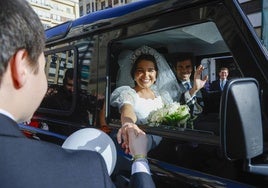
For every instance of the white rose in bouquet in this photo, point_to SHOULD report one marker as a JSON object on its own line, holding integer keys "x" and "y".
{"x": 172, "y": 114}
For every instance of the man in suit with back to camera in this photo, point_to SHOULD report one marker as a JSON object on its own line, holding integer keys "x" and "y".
{"x": 30, "y": 163}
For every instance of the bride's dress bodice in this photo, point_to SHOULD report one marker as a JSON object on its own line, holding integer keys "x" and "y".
{"x": 142, "y": 107}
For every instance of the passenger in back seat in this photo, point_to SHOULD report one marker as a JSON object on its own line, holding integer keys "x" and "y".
{"x": 190, "y": 89}
{"x": 193, "y": 93}
{"x": 63, "y": 100}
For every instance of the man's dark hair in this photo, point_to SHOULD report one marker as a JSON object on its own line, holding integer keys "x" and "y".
{"x": 69, "y": 75}
{"x": 179, "y": 57}
{"x": 224, "y": 68}
{"x": 20, "y": 28}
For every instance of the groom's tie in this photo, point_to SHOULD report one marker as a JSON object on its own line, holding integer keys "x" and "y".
{"x": 187, "y": 86}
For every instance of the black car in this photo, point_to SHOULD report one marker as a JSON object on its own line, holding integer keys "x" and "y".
{"x": 217, "y": 33}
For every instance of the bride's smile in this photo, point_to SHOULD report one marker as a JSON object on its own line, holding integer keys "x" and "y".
{"x": 145, "y": 74}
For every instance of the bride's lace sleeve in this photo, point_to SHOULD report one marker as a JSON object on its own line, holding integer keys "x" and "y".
{"x": 123, "y": 95}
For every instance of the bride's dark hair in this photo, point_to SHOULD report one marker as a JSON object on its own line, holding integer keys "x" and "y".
{"x": 147, "y": 57}
{"x": 166, "y": 81}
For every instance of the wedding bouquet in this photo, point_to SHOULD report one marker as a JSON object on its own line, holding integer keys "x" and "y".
{"x": 172, "y": 114}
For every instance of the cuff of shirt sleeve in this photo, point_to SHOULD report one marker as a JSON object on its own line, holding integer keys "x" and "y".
{"x": 140, "y": 166}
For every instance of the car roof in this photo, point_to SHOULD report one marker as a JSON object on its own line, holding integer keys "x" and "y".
{"x": 61, "y": 30}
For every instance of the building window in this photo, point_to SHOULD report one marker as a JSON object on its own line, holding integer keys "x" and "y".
{"x": 110, "y": 3}
{"x": 102, "y": 5}
{"x": 68, "y": 10}
{"x": 81, "y": 10}
{"x": 88, "y": 8}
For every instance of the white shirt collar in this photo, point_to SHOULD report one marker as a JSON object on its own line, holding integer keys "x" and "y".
{"x": 4, "y": 112}
{"x": 185, "y": 81}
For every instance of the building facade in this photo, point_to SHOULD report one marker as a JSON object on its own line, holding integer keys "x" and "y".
{"x": 88, "y": 6}
{"x": 54, "y": 12}
{"x": 253, "y": 9}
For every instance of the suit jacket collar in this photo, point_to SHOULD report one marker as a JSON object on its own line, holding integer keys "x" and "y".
{"x": 9, "y": 127}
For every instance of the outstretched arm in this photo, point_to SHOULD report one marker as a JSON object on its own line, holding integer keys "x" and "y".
{"x": 127, "y": 114}
{"x": 128, "y": 119}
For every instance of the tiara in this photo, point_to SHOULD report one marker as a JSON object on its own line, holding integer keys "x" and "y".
{"x": 144, "y": 50}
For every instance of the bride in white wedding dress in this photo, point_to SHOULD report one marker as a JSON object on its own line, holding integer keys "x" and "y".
{"x": 153, "y": 79}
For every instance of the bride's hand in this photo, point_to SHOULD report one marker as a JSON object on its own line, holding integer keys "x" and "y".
{"x": 122, "y": 135}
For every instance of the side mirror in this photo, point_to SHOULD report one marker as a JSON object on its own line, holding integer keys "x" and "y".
{"x": 241, "y": 121}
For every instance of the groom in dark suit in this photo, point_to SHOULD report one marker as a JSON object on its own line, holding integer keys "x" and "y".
{"x": 190, "y": 89}
{"x": 26, "y": 162}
